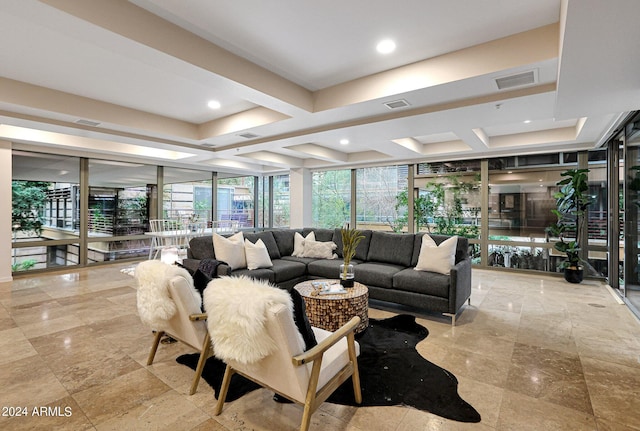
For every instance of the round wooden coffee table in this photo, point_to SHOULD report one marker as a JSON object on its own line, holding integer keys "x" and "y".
{"x": 330, "y": 312}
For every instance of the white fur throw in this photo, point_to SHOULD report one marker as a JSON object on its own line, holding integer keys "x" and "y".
{"x": 155, "y": 306}
{"x": 237, "y": 313}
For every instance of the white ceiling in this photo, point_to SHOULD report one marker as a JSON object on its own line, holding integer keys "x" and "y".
{"x": 301, "y": 76}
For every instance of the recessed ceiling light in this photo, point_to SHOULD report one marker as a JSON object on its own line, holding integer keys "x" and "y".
{"x": 527, "y": 121}
{"x": 214, "y": 104}
{"x": 386, "y": 46}
{"x": 344, "y": 141}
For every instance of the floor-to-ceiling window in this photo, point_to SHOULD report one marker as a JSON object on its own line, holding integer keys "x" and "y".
{"x": 187, "y": 193}
{"x": 381, "y": 198}
{"x": 630, "y": 281}
{"x": 521, "y": 200}
{"x": 45, "y": 210}
{"x": 281, "y": 201}
{"x": 119, "y": 202}
{"x": 331, "y": 198}
{"x": 236, "y": 200}
{"x": 448, "y": 198}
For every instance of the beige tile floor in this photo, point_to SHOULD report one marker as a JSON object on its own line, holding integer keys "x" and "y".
{"x": 530, "y": 353}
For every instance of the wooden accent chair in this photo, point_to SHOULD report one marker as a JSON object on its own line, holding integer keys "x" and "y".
{"x": 304, "y": 377}
{"x": 188, "y": 325}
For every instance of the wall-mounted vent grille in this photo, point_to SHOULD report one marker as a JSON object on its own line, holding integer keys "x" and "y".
{"x": 248, "y": 135}
{"x": 88, "y": 123}
{"x": 397, "y": 104}
{"x": 517, "y": 80}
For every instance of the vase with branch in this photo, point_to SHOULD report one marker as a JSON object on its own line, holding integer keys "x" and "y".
{"x": 351, "y": 237}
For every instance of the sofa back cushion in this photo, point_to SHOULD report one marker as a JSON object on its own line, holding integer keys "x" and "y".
{"x": 322, "y": 235}
{"x": 284, "y": 240}
{"x": 462, "y": 248}
{"x": 201, "y": 247}
{"x": 394, "y": 248}
{"x": 362, "y": 250}
{"x": 268, "y": 240}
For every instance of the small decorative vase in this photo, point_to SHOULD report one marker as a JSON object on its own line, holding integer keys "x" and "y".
{"x": 346, "y": 276}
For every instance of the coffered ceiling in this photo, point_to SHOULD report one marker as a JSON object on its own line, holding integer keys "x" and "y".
{"x": 130, "y": 80}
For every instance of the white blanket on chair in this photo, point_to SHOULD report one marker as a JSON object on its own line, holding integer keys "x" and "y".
{"x": 237, "y": 312}
{"x": 155, "y": 305}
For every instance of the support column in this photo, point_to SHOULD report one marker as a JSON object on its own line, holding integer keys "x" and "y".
{"x": 5, "y": 211}
{"x": 300, "y": 198}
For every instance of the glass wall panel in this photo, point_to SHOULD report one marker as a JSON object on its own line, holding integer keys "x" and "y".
{"x": 521, "y": 200}
{"x": 187, "y": 194}
{"x": 281, "y": 201}
{"x": 331, "y": 198}
{"x": 45, "y": 197}
{"x": 632, "y": 215}
{"x": 381, "y": 198}
{"x": 520, "y": 203}
{"x": 119, "y": 202}
{"x": 449, "y": 204}
{"x": 236, "y": 200}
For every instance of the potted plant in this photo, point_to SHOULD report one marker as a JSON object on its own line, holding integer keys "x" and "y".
{"x": 351, "y": 237}
{"x": 572, "y": 201}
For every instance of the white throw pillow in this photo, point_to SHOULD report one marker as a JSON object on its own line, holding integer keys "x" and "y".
{"x": 230, "y": 250}
{"x": 319, "y": 250}
{"x": 437, "y": 258}
{"x": 257, "y": 255}
{"x": 298, "y": 243}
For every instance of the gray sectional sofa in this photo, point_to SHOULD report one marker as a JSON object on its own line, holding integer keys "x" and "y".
{"x": 383, "y": 261}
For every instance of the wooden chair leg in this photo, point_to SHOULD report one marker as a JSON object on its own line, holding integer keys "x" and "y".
{"x": 154, "y": 347}
{"x": 306, "y": 418}
{"x": 355, "y": 377}
{"x": 204, "y": 355}
{"x": 228, "y": 372}
{"x": 310, "y": 400}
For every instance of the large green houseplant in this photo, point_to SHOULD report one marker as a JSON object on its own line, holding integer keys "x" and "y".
{"x": 572, "y": 200}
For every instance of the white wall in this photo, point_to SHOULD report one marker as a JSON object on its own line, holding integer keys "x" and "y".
{"x": 5, "y": 211}
{"x": 300, "y": 197}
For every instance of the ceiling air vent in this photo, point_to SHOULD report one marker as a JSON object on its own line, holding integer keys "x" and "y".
{"x": 248, "y": 135}
{"x": 517, "y": 80}
{"x": 88, "y": 123}
{"x": 396, "y": 104}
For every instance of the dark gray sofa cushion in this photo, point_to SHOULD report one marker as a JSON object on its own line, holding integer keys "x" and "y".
{"x": 462, "y": 247}
{"x": 361, "y": 250}
{"x": 201, "y": 247}
{"x": 322, "y": 235}
{"x": 258, "y": 274}
{"x": 376, "y": 274}
{"x": 305, "y": 260}
{"x": 287, "y": 269}
{"x": 268, "y": 240}
{"x": 284, "y": 239}
{"x": 325, "y": 268}
{"x": 394, "y": 248}
{"x": 429, "y": 283}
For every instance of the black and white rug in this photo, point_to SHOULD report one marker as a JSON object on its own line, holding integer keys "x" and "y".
{"x": 392, "y": 373}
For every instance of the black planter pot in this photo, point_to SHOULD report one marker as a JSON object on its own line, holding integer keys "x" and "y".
{"x": 574, "y": 275}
